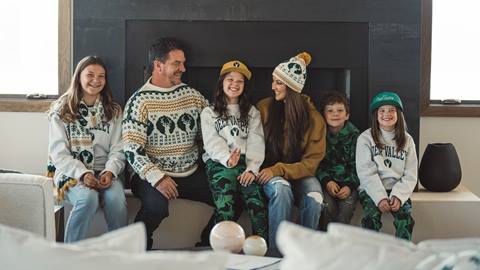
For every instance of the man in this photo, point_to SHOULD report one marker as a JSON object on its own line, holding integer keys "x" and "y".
{"x": 161, "y": 129}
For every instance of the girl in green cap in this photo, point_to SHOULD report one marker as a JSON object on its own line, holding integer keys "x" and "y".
{"x": 387, "y": 166}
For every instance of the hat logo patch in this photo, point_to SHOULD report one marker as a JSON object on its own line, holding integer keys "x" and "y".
{"x": 236, "y": 64}
{"x": 297, "y": 69}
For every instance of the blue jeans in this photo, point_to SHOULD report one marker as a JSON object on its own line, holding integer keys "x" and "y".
{"x": 85, "y": 202}
{"x": 306, "y": 193}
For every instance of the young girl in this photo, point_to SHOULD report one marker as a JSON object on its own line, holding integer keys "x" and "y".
{"x": 234, "y": 147}
{"x": 387, "y": 166}
{"x": 295, "y": 145}
{"x": 85, "y": 150}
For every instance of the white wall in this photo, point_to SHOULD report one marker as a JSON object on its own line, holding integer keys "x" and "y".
{"x": 24, "y": 142}
{"x": 24, "y": 139}
{"x": 463, "y": 133}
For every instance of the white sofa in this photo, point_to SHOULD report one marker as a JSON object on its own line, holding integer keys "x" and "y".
{"x": 26, "y": 202}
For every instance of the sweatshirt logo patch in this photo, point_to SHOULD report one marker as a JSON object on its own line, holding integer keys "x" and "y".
{"x": 234, "y": 132}
{"x": 387, "y": 163}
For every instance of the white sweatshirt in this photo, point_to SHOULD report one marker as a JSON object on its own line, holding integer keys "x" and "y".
{"x": 107, "y": 148}
{"x": 385, "y": 169}
{"x": 221, "y": 137}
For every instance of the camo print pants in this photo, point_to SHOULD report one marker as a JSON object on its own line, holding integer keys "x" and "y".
{"x": 225, "y": 190}
{"x": 403, "y": 220}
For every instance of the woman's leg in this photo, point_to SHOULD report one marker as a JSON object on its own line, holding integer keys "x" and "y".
{"x": 279, "y": 193}
{"x": 309, "y": 198}
{"x": 85, "y": 203}
{"x": 115, "y": 205}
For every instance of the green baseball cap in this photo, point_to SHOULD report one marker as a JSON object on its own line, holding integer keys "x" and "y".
{"x": 385, "y": 98}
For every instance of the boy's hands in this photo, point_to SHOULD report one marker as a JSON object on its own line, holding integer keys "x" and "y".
{"x": 332, "y": 188}
{"x": 344, "y": 192}
{"x": 336, "y": 192}
{"x": 234, "y": 157}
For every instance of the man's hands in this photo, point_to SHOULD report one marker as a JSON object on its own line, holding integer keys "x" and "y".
{"x": 336, "y": 192}
{"x": 167, "y": 187}
{"x": 386, "y": 205}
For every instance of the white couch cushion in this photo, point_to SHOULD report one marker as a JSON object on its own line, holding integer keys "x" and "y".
{"x": 22, "y": 250}
{"x": 450, "y": 245}
{"x": 355, "y": 249}
{"x": 27, "y": 202}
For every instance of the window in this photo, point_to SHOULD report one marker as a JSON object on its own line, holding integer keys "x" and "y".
{"x": 35, "y": 52}
{"x": 450, "y": 57}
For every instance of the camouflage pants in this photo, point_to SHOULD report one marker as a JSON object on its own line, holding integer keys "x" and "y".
{"x": 403, "y": 220}
{"x": 226, "y": 189}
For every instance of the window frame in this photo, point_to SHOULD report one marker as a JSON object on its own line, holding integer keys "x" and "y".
{"x": 19, "y": 103}
{"x": 429, "y": 107}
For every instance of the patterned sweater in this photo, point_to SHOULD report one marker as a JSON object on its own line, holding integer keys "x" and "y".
{"x": 221, "y": 137}
{"x": 339, "y": 162}
{"x": 385, "y": 169}
{"x": 161, "y": 129}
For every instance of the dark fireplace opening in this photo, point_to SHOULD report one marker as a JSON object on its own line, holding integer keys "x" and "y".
{"x": 339, "y": 55}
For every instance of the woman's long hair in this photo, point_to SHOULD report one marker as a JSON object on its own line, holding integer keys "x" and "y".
{"x": 70, "y": 100}
{"x": 220, "y": 100}
{"x": 400, "y": 130}
{"x": 288, "y": 121}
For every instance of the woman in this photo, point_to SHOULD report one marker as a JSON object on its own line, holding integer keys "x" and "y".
{"x": 85, "y": 150}
{"x": 295, "y": 145}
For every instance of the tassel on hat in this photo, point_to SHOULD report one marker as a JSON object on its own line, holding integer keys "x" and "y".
{"x": 293, "y": 72}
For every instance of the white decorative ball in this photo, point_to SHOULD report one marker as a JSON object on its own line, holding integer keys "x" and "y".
{"x": 255, "y": 245}
{"x": 227, "y": 235}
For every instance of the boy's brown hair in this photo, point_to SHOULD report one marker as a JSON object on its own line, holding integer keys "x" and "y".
{"x": 333, "y": 97}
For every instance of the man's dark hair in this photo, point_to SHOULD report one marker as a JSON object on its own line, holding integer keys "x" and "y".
{"x": 333, "y": 97}
{"x": 159, "y": 51}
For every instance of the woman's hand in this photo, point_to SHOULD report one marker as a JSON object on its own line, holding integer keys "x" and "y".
{"x": 395, "y": 204}
{"x": 264, "y": 176}
{"x": 384, "y": 206}
{"x": 89, "y": 180}
{"x": 105, "y": 180}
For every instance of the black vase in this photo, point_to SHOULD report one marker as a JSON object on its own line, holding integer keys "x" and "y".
{"x": 440, "y": 169}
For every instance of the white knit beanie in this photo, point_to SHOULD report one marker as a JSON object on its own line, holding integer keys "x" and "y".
{"x": 293, "y": 72}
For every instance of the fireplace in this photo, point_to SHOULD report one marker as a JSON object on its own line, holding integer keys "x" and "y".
{"x": 360, "y": 47}
{"x": 339, "y": 54}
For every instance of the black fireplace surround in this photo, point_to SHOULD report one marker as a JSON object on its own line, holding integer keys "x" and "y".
{"x": 358, "y": 47}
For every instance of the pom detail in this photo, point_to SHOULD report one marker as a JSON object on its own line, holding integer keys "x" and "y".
{"x": 306, "y": 57}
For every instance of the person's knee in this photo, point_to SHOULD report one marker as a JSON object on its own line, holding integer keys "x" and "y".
{"x": 281, "y": 190}
{"x": 155, "y": 211}
{"x": 88, "y": 202}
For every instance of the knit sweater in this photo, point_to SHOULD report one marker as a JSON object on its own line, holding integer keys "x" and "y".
{"x": 339, "y": 162}
{"x": 221, "y": 137}
{"x": 313, "y": 144}
{"x": 385, "y": 169}
{"x": 161, "y": 131}
{"x": 107, "y": 146}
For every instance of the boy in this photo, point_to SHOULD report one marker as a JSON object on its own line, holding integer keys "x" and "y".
{"x": 337, "y": 172}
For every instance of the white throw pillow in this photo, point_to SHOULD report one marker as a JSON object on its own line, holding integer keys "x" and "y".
{"x": 308, "y": 249}
{"x": 463, "y": 260}
{"x": 22, "y": 250}
{"x": 128, "y": 239}
{"x": 450, "y": 245}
